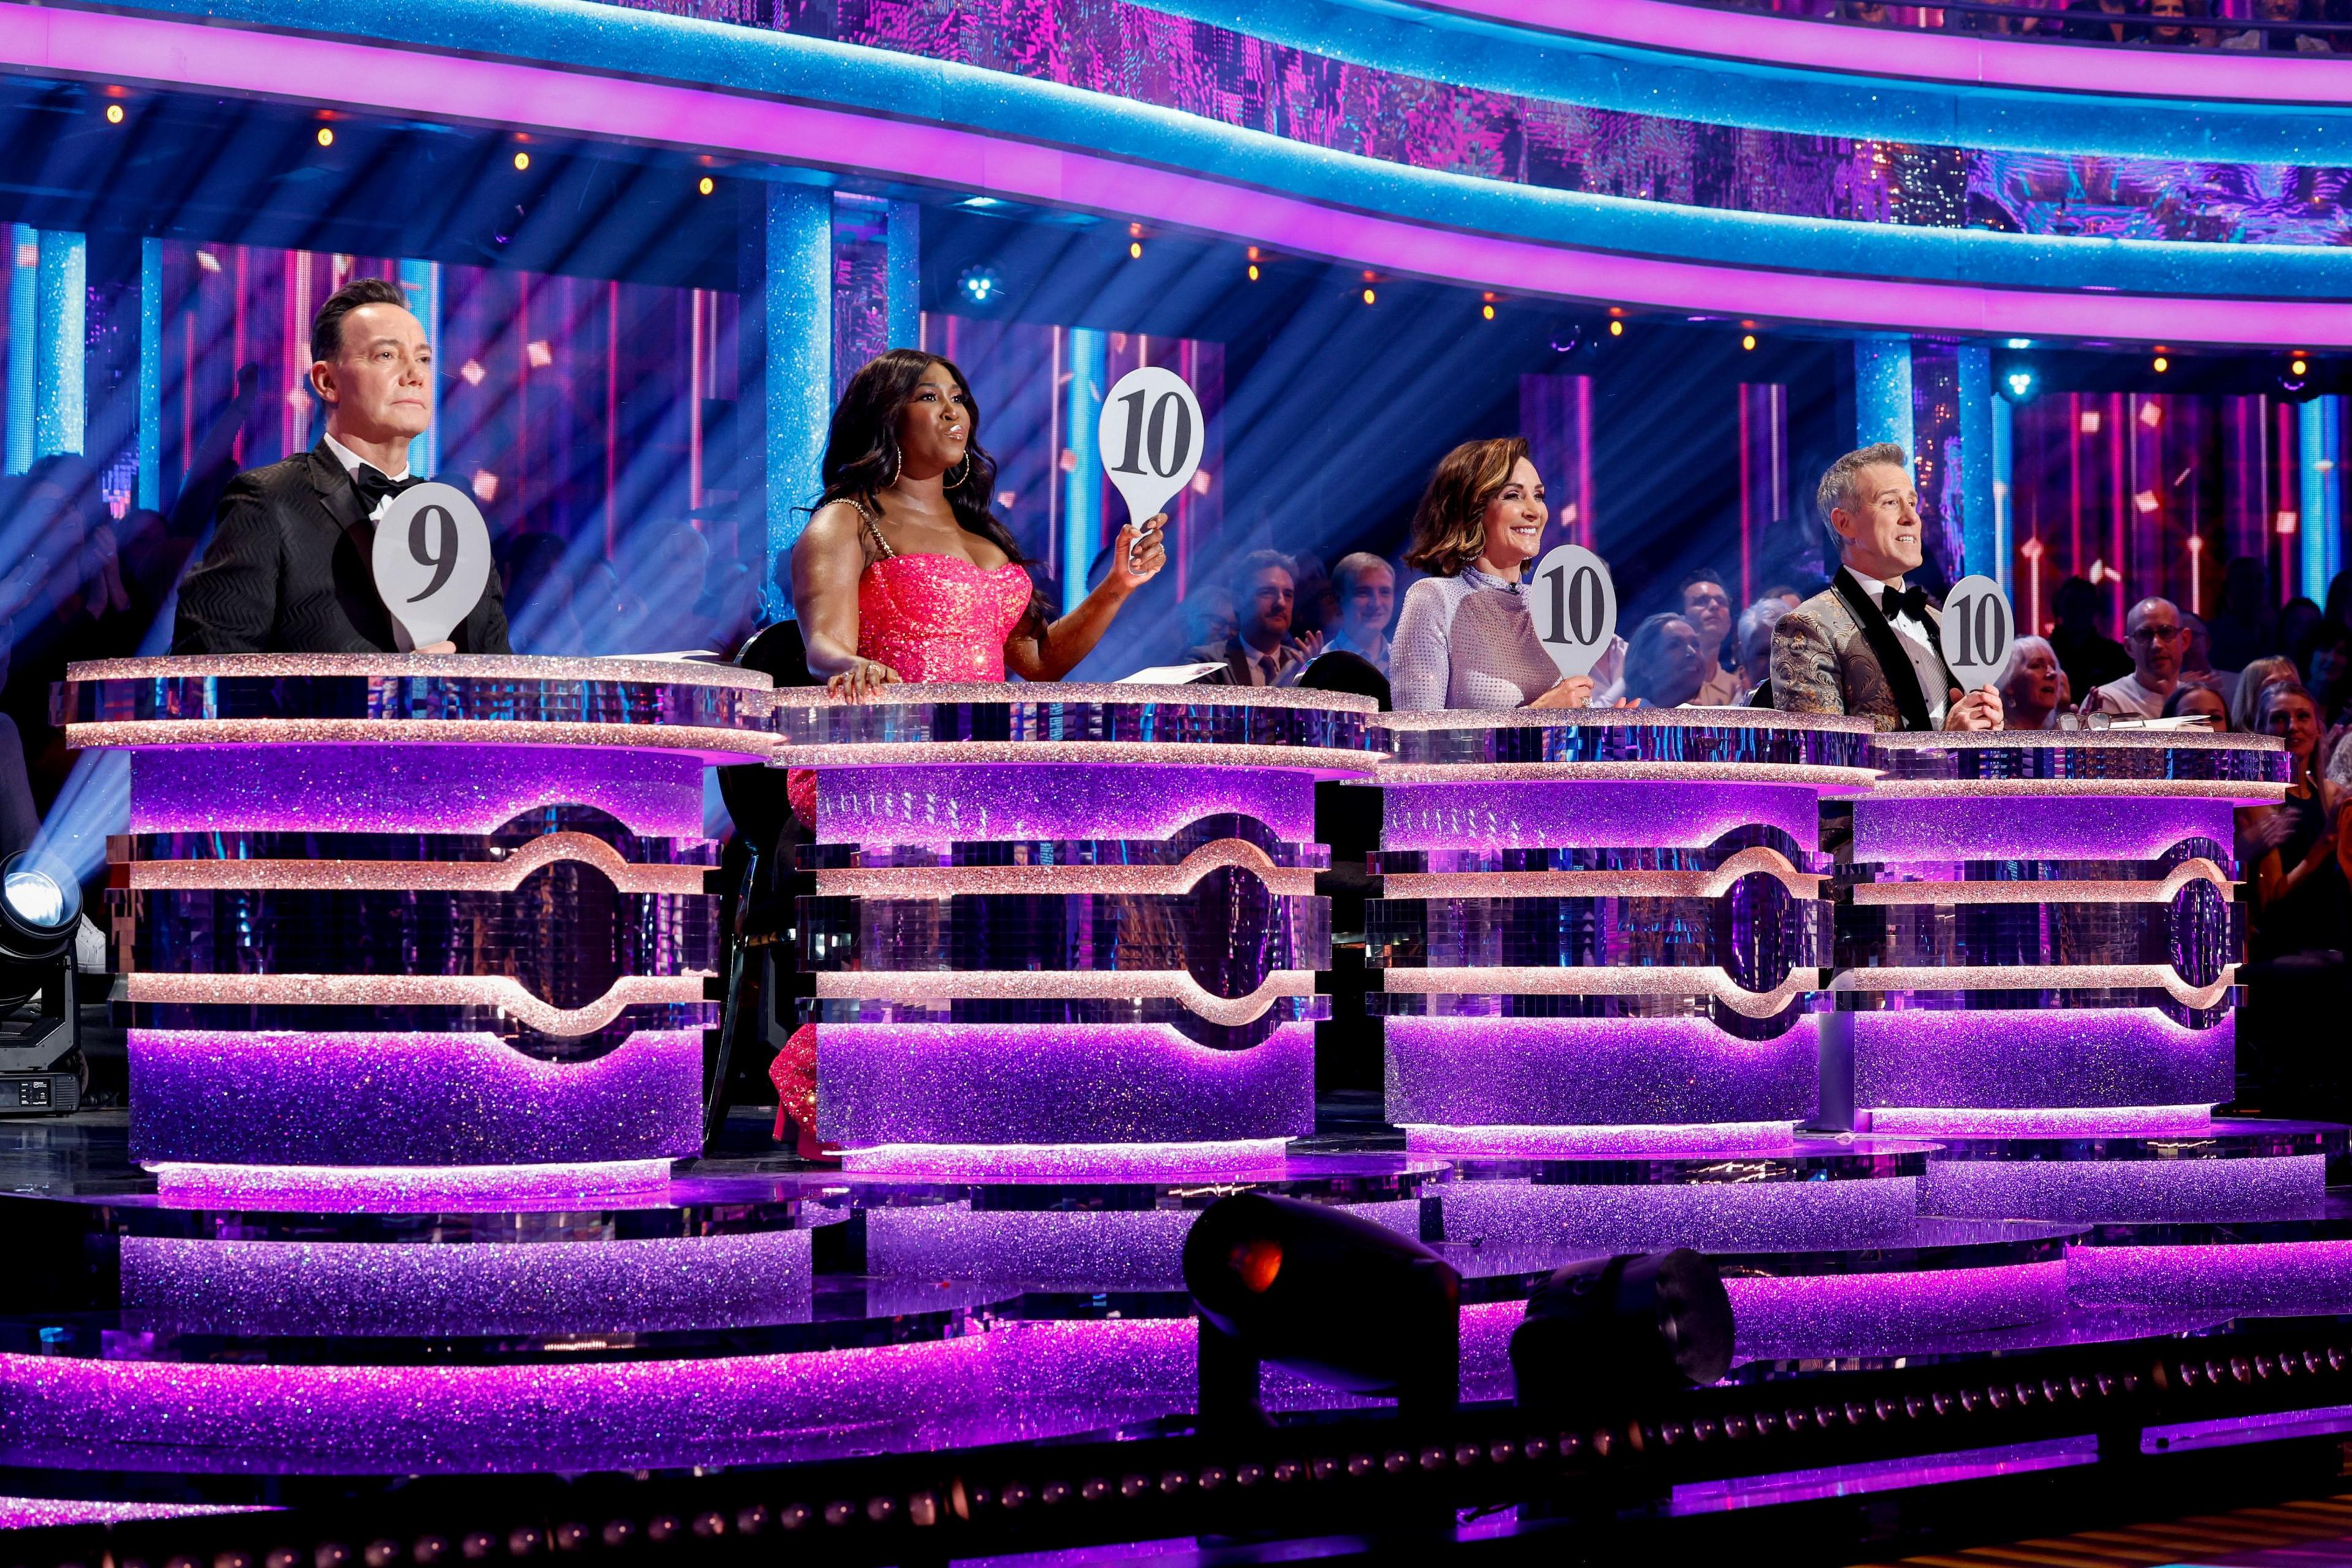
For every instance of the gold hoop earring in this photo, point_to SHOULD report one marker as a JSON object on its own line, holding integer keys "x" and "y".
{"x": 964, "y": 472}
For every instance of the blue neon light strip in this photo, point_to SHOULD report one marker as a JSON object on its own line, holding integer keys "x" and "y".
{"x": 603, "y": 39}
{"x": 1082, "y": 486}
{"x": 1500, "y": 57}
{"x": 24, "y": 316}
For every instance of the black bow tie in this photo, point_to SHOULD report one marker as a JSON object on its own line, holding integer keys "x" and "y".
{"x": 1912, "y": 600}
{"x": 374, "y": 486}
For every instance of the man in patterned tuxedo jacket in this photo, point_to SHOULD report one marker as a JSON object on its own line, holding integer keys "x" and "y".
{"x": 1867, "y": 643}
{"x": 290, "y": 565}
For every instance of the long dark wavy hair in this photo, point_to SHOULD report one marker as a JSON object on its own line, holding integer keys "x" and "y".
{"x": 862, "y": 455}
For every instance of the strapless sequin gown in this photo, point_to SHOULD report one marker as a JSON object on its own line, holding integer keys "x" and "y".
{"x": 930, "y": 617}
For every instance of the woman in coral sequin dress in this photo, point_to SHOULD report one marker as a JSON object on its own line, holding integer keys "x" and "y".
{"x": 904, "y": 574}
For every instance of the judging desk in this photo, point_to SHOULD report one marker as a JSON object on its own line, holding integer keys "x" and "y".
{"x": 424, "y": 923}
{"x": 427, "y": 921}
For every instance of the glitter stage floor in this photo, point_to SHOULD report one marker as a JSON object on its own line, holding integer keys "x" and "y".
{"x": 752, "y": 1311}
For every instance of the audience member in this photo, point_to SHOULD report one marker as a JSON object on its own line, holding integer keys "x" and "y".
{"x": 2034, "y": 691}
{"x": 1755, "y": 623}
{"x": 1666, "y": 664}
{"x": 2191, "y": 700}
{"x": 2298, "y": 622}
{"x": 1316, "y": 609}
{"x": 1367, "y": 590}
{"x": 2168, "y": 31}
{"x": 2244, "y": 627}
{"x": 1262, "y": 652}
{"x": 2089, "y": 657}
{"x": 2337, "y": 610}
{"x": 2279, "y": 37}
{"x": 2325, "y": 661}
{"x": 1708, "y": 608}
{"x": 2157, "y": 639}
{"x": 1208, "y": 624}
{"x": 2100, "y": 32}
{"x": 2252, "y": 681}
{"x": 2299, "y": 895}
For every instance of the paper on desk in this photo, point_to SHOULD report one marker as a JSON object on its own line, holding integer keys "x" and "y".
{"x": 1169, "y": 674}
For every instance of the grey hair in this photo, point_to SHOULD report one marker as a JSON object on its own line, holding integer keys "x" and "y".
{"x": 1842, "y": 485}
{"x": 1345, "y": 571}
{"x": 2017, "y": 649}
{"x": 1762, "y": 614}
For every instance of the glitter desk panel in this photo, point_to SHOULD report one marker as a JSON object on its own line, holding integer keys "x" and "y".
{"x": 1603, "y": 924}
{"x": 1050, "y": 919}
{"x": 398, "y": 913}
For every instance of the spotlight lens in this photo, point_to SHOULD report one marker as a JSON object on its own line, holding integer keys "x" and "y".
{"x": 522, "y": 160}
{"x": 35, "y": 896}
{"x": 1487, "y": 312}
{"x": 1616, "y": 329}
{"x": 1367, "y": 296}
{"x": 326, "y": 136}
{"x": 1256, "y": 1263}
{"x": 2297, "y": 367}
{"x": 114, "y": 114}
{"x": 1748, "y": 342}
{"x": 1135, "y": 250}
{"x": 1252, "y": 272}
{"x": 2162, "y": 365}
{"x": 708, "y": 185}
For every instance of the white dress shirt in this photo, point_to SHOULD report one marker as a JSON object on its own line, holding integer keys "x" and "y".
{"x": 352, "y": 460}
{"x": 1918, "y": 630}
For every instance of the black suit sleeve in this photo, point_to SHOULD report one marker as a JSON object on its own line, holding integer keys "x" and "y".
{"x": 486, "y": 628}
{"x": 229, "y": 602}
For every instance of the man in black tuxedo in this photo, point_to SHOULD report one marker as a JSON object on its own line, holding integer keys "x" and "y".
{"x": 1869, "y": 644}
{"x": 290, "y": 566}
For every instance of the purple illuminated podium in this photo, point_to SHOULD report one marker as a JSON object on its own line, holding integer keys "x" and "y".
{"x": 1604, "y": 932}
{"x": 417, "y": 927}
{"x": 1067, "y": 929}
{"x": 2038, "y": 951}
{"x": 1604, "y": 951}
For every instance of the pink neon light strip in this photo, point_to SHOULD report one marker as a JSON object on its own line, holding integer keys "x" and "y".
{"x": 1918, "y": 56}
{"x": 370, "y": 77}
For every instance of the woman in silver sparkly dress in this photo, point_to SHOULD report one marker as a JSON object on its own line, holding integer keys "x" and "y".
{"x": 1465, "y": 638}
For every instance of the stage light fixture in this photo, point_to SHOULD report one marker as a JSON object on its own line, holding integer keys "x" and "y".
{"x": 980, "y": 285}
{"x": 1327, "y": 1295}
{"x": 2019, "y": 382}
{"x": 1602, "y": 1333}
{"x": 1748, "y": 342}
{"x": 2162, "y": 365}
{"x": 326, "y": 135}
{"x": 521, "y": 161}
{"x": 706, "y": 184}
{"x": 1616, "y": 329}
{"x": 1135, "y": 250}
{"x": 1252, "y": 272}
{"x": 114, "y": 114}
{"x": 1566, "y": 338}
{"x": 40, "y": 912}
{"x": 1369, "y": 296}
{"x": 1486, "y": 312}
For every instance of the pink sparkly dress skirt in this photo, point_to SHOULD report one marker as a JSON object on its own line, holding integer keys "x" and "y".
{"x": 930, "y": 617}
